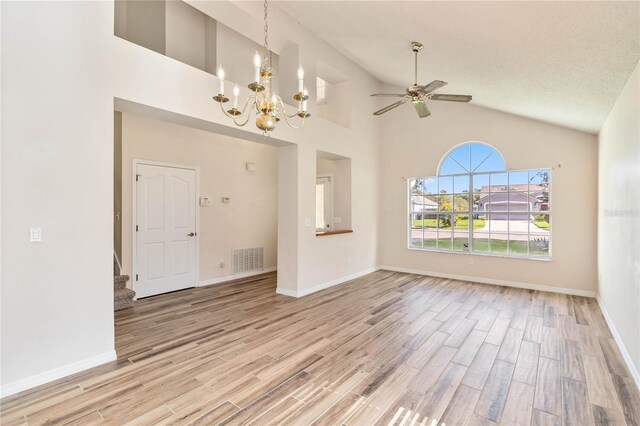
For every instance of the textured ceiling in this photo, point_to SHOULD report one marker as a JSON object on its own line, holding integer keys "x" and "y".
{"x": 560, "y": 62}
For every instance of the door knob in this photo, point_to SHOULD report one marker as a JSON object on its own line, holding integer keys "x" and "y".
{"x": 191, "y": 234}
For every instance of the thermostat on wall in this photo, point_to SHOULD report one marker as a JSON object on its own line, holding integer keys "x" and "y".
{"x": 226, "y": 200}
{"x": 205, "y": 201}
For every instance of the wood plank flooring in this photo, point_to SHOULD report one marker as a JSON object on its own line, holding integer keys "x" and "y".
{"x": 388, "y": 348}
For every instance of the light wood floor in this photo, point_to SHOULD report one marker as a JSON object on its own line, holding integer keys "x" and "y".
{"x": 388, "y": 348}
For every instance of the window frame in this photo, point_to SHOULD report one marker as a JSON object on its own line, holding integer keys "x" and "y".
{"x": 470, "y": 213}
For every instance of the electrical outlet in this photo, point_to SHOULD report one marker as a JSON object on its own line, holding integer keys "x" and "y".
{"x": 471, "y": 260}
{"x": 349, "y": 260}
{"x": 222, "y": 264}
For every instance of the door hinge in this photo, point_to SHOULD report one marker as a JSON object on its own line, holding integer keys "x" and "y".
{"x": 138, "y": 177}
{"x": 136, "y": 277}
{"x": 136, "y": 228}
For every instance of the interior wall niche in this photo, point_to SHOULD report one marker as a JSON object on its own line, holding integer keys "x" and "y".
{"x": 333, "y": 193}
{"x": 182, "y": 32}
{"x": 333, "y": 95}
{"x": 171, "y": 28}
{"x": 142, "y": 22}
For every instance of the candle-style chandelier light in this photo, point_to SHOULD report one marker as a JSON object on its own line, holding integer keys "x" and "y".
{"x": 264, "y": 101}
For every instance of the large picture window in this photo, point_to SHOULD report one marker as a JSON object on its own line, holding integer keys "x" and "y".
{"x": 475, "y": 205}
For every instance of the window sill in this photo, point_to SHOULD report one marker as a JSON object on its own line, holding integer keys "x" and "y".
{"x": 325, "y": 233}
{"x": 504, "y": 256}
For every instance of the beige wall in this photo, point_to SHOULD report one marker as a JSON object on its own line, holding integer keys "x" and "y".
{"x": 619, "y": 218}
{"x": 413, "y": 147}
{"x": 250, "y": 220}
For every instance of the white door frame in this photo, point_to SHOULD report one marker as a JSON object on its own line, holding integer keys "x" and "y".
{"x": 134, "y": 204}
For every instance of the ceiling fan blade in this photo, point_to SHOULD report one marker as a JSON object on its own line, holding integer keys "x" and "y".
{"x": 451, "y": 98}
{"x": 421, "y": 108}
{"x": 434, "y": 85}
{"x": 390, "y": 107}
{"x": 390, "y": 95}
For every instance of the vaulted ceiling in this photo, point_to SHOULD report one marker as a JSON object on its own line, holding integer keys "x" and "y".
{"x": 563, "y": 62}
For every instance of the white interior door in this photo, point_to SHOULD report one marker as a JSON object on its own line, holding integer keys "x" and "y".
{"x": 166, "y": 257}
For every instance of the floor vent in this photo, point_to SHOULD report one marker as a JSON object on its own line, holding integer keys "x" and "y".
{"x": 248, "y": 259}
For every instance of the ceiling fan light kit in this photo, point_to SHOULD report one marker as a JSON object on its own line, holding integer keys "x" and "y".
{"x": 419, "y": 94}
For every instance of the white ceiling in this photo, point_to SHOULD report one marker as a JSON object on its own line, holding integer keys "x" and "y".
{"x": 563, "y": 62}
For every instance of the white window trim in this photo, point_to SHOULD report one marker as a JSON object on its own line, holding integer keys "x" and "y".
{"x": 470, "y": 213}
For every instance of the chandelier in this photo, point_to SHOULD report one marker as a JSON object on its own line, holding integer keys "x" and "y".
{"x": 263, "y": 100}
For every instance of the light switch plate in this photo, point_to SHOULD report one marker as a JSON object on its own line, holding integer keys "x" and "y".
{"x": 35, "y": 234}
{"x": 205, "y": 201}
{"x": 226, "y": 200}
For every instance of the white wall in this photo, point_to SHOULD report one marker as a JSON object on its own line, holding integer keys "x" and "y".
{"x": 187, "y": 92}
{"x": 57, "y": 170}
{"x": 57, "y": 173}
{"x": 413, "y": 147}
{"x": 619, "y": 217}
{"x": 250, "y": 220}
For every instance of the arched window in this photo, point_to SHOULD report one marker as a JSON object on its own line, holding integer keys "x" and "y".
{"x": 472, "y": 157}
{"x": 475, "y": 205}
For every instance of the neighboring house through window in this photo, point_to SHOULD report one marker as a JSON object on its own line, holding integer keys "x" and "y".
{"x": 475, "y": 205}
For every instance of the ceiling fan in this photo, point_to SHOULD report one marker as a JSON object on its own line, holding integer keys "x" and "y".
{"x": 419, "y": 94}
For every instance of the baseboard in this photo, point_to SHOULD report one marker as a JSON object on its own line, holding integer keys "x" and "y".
{"x": 515, "y": 284}
{"x": 623, "y": 350}
{"x": 286, "y": 292}
{"x": 323, "y": 286}
{"x": 56, "y": 373}
{"x": 226, "y": 278}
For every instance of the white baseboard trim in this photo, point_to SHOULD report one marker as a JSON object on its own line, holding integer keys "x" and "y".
{"x": 286, "y": 292}
{"x": 323, "y": 286}
{"x": 226, "y": 278}
{"x": 56, "y": 373}
{"x": 516, "y": 284}
{"x": 623, "y": 350}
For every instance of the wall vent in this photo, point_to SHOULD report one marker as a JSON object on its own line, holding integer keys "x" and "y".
{"x": 248, "y": 259}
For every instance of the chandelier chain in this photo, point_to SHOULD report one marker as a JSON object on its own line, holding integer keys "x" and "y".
{"x": 266, "y": 33}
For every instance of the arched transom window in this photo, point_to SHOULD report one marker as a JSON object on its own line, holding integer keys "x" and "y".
{"x": 475, "y": 205}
